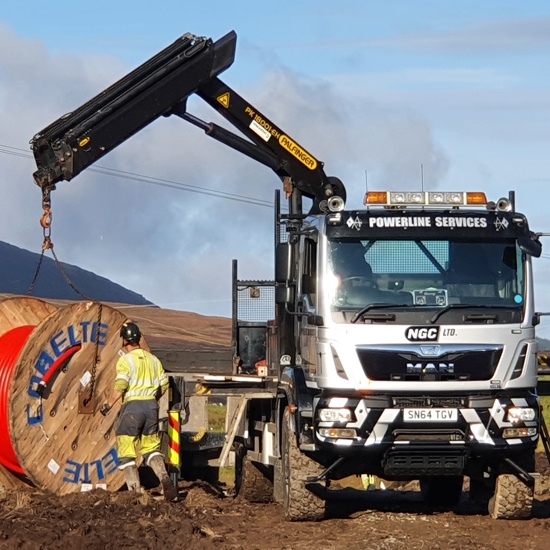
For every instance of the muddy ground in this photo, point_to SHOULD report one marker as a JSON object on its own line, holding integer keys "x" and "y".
{"x": 209, "y": 516}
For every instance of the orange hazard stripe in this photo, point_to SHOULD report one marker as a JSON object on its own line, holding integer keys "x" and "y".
{"x": 174, "y": 438}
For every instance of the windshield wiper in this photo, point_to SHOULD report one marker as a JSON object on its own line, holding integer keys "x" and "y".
{"x": 367, "y": 308}
{"x": 439, "y": 313}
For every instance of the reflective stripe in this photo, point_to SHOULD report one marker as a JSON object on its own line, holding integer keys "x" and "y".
{"x": 126, "y": 464}
{"x": 156, "y": 453}
{"x": 146, "y": 376}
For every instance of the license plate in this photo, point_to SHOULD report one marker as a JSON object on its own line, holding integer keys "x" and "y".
{"x": 430, "y": 415}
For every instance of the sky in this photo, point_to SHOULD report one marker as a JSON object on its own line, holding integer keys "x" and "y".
{"x": 395, "y": 93}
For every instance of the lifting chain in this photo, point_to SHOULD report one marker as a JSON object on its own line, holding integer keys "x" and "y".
{"x": 47, "y": 244}
{"x": 46, "y": 223}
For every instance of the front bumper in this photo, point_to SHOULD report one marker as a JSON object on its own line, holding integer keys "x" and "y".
{"x": 385, "y": 437}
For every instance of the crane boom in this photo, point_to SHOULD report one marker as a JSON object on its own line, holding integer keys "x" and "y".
{"x": 161, "y": 87}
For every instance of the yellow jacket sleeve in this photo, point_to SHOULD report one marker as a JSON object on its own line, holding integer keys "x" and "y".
{"x": 122, "y": 375}
{"x": 164, "y": 383}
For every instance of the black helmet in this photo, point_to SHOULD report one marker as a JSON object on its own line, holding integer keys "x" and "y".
{"x": 130, "y": 332}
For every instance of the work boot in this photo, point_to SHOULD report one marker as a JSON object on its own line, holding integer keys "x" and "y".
{"x": 156, "y": 462}
{"x": 132, "y": 478}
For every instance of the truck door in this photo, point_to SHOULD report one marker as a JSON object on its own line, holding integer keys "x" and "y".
{"x": 307, "y": 304}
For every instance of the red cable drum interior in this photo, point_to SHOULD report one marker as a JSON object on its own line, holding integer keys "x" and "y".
{"x": 11, "y": 344}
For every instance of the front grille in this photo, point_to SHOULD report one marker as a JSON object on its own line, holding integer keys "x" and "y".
{"x": 423, "y": 401}
{"x": 410, "y": 365}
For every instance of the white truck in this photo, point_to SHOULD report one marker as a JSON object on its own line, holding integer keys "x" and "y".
{"x": 397, "y": 340}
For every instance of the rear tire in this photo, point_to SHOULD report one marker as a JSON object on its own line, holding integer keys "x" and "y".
{"x": 441, "y": 490}
{"x": 302, "y": 501}
{"x": 251, "y": 481}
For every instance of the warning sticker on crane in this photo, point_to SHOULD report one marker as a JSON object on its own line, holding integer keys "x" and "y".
{"x": 224, "y": 99}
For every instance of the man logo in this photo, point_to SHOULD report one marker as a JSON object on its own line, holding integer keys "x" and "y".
{"x": 430, "y": 368}
{"x": 422, "y": 334}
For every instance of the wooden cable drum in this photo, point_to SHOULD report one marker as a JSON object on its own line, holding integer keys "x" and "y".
{"x": 18, "y": 311}
{"x": 18, "y": 317}
{"x": 65, "y": 372}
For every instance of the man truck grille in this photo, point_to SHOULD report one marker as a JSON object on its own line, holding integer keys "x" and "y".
{"x": 400, "y": 365}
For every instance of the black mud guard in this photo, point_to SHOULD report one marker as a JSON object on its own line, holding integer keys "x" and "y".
{"x": 292, "y": 384}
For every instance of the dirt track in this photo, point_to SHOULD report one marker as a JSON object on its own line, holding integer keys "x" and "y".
{"x": 207, "y": 517}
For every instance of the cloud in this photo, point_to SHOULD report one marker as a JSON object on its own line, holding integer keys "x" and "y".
{"x": 352, "y": 133}
{"x": 500, "y": 36}
{"x": 511, "y": 36}
{"x": 174, "y": 246}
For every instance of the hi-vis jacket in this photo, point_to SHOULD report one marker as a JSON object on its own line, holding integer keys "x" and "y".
{"x": 139, "y": 375}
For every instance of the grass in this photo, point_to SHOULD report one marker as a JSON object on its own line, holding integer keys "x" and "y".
{"x": 226, "y": 476}
{"x": 216, "y": 424}
{"x": 545, "y": 405}
{"x": 545, "y": 402}
{"x": 216, "y": 417}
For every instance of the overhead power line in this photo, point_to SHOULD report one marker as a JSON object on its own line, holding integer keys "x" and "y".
{"x": 151, "y": 180}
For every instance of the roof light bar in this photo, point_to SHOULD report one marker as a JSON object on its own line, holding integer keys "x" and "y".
{"x": 421, "y": 198}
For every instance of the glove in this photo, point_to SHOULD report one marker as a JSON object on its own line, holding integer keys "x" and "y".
{"x": 105, "y": 409}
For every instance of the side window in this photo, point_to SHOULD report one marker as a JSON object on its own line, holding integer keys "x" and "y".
{"x": 309, "y": 274}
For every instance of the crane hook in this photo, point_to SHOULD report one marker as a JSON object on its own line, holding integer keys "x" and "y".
{"x": 46, "y": 219}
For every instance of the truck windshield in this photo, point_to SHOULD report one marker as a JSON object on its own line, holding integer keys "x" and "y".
{"x": 427, "y": 274}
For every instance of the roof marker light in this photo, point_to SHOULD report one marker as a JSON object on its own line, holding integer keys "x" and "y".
{"x": 421, "y": 198}
{"x": 376, "y": 197}
{"x": 476, "y": 199}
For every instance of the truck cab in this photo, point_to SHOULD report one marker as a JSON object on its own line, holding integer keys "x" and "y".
{"x": 418, "y": 338}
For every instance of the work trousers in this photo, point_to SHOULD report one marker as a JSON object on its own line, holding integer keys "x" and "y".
{"x": 138, "y": 424}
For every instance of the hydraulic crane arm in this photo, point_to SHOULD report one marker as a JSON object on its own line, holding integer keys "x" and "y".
{"x": 73, "y": 142}
{"x": 160, "y": 87}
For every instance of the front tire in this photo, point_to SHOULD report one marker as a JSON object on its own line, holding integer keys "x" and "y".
{"x": 513, "y": 499}
{"x": 300, "y": 502}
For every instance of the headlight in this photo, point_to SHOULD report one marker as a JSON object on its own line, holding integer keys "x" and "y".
{"x": 509, "y": 433}
{"x": 338, "y": 433}
{"x": 334, "y": 415}
{"x": 520, "y": 414}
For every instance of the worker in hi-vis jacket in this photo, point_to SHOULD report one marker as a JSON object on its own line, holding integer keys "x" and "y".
{"x": 140, "y": 382}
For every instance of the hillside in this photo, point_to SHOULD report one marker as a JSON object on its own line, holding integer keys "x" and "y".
{"x": 183, "y": 340}
{"x": 19, "y": 268}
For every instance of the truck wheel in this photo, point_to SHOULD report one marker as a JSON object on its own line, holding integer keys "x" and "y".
{"x": 441, "y": 490}
{"x": 300, "y": 502}
{"x": 251, "y": 482}
{"x": 513, "y": 499}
